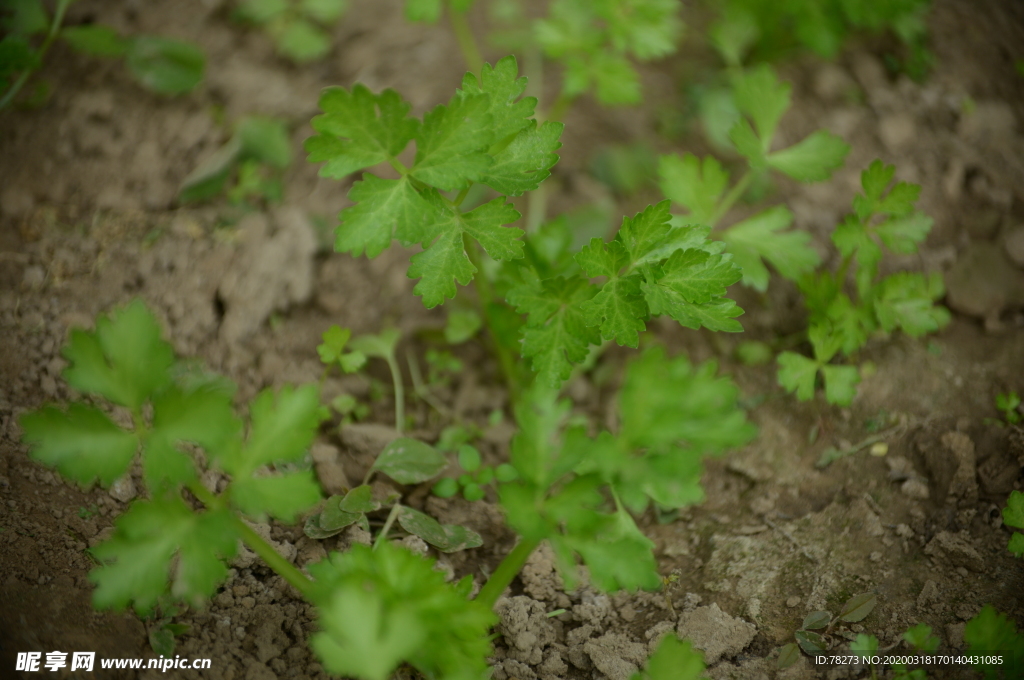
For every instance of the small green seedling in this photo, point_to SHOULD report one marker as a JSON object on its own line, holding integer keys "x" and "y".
{"x": 1009, "y": 405}
{"x": 1013, "y": 516}
{"x": 993, "y": 638}
{"x": 813, "y": 642}
{"x": 839, "y": 323}
{"x": 297, "y": 27}
{"x": 919, "y": 638}
{"x": 162, "y": 632}
{"x": 249, "y": 167}
{"x": 163, "y": 65}
{"x": 332, "y": 351}
{"x": 476, "y": 476}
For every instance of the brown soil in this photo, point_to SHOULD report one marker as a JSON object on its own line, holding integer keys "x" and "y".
{"x": 88, "y": 221}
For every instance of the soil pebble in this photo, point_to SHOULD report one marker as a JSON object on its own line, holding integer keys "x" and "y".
{"x": 715, "y": 633}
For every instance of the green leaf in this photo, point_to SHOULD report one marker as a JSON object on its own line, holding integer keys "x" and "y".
{"x": 698, "y": 276}
{"x": 734, "y": 34}
{"x": 840, "y": 384}
{"x": 451, "y": 143}
{"x": 162, "y": 641}
{"x": 874, "y": 180}
{"x": 210, "y": 176}
{"x": 27, "y": 17}
{"x": 382, "y": 206}
{"x": 83, "y": 444}
{"x": 616, "y": 81}
{"x": 674, "y": 659}
{"x": 747, "y": 144}
{"x": 203, "y": 416}
{"x": 446, "y": 488}
{"x": 447, "y": 538}
{"x": 788, "y": 655}
{"x": 858, "y": 607}
{"x": 265, "y": 140}
{"x": 325, "y": 11}
{"x": 283, "y": 427}
{"x": 332, "y": 519}
{"x": 461, "y": 326}
{"x": 510, "y": 114}
{"x": 619, "y": 557}
{"x": 695, "y": 185}
{"x": 811, "y": 643}
{"x": 864, "y": 645}
{"x": 1016, "y": 545}
{"x": 556, "y": 334}
{"x": 816, "y": 620}
{"x": 282, "y": 497}
{"x": 380, "y": 607}
{"x": 619, "y": 310}
{"x": 905, "y": 300}
{"x": 359, "y": 499}
{"x": 302, "y": 41}
{"x": 261, "y": 11}
{"x": 797, "y": 374}
{"x": 164, "y": 65}
{"x": 602, "y": 259}
{"x": 920, "y": 638}
{"x": 101, "y": 41}
{"x": 137, "y": 560}
{"x": 359, "y": 129}
{"x": 991, "y": 631}
{"x": 333, "y": 346}
{"x": 408, "y": 461}
{"x": 762, "y": 236}
{"x": 526, "y": 161}
{"x": 124, "y": 359}
{"x": 1013, "y": 513}
{"x": 850, "y": 324}
{"x": 760, "y": 95}
{"x": 380, "y": 346}
{"x": 903, "y": 234}
{"x": 427, "y": 11}
{"x": 445, "y": 261}
{"x": 469, "y": 458}
{"x": 812, "y": 159}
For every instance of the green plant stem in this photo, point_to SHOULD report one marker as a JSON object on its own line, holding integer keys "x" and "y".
{"x": 396, "y": 379}
{"x": 506, "y": 571}
{"x": 466, "y": 39}
{"x": 58, "y": 19}
{"x": 392, "y": 516}
{"x": 730, "y": 199}
{"x": 485, "y": 298}
{"x": 283, "y": 567}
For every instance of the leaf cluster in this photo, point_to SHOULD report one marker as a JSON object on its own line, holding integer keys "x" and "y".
{"x": 475, "y": 477}
{"x": 576, "y": 491}
{"x": 486, "y": 134}
{"x": 297, "y": 27}
{"x": 840, "y": 324}
{"x": 381, "y": 607}
{"x": 702, "y": 187}
{"x": 595, "y": 42}
{"x": 652, "y": 267}
{"x": 1013, "y": 516}
{"x": 179, "y": 419}
{"x": 992, "y": 631}
{"x": 811, "y": 641}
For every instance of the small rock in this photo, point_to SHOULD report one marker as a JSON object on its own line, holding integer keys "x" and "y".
{"x": 715, "y": 633}
{"x": 616, "y": 656}
{"x": 832, "y": 82}
{"x": 915, "y": 488}
{"x": 123, "y": 489}
{"x": 329, "y": 469}
{"x": 793, "y": 601}
{"x": 956, "y": 549}
{"x": 415, "y": 545}
{"x": 897, "y": 130}
{"x": 1013, "y": 242}
{"x": 983, "y": 282}
{"x": 34, "y": 277}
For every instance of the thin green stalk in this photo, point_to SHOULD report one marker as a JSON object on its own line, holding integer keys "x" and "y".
{"x": 396, "y": 379}
{"x": 485, "y": 298}
{"x": 506, "y": 571}
{"x": 392, "y": 516}
{"x": 466, "y": 39}
{"x": 730, "y": 198}
{"x": 58, "y": 19}
{"x": 283, "y": 567}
